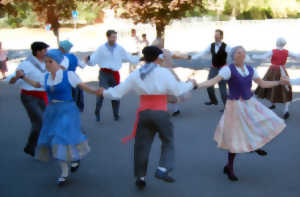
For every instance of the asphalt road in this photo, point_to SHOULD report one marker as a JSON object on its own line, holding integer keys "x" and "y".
{"x": 108, "y": 170}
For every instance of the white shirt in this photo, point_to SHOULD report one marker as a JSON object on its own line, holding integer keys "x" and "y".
{"x": 270, "y": 54}
{"x": 208, "y": 49}
{"x": 65, "y": 63}
{"x": 31, "y": 72}
{"x": 104, "y": 58}
{"x": 133, "y": 46}
{"x": 158, "y": 81}
{"x": 225, "y": 72}
{"x": 73, "y": 78}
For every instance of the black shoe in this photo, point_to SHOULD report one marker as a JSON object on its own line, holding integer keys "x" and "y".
{"x": 164, "y": 176}
{"x": 286, "y": 115}
{"x": 211, "y": 103}
{"x": 261, "y": 152}
{"x": 272, "y": 107}
{"x": 61, "y": 181}
{"x": 75, "y": 165}
{"x": 230, "y": 174}
{"x": 97, "y": 115}
{"x": 117, "y": 117}
{"x": 141, "y": 184}
{"x": 29, "y": 151}
{"x": 176, "y": 113}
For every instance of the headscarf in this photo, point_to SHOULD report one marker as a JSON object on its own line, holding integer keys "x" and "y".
{"x": 66, "y": 45}
{"x": 56, "y": 55}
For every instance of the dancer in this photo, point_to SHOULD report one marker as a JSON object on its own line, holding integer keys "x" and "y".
{"x": 246, "y": 125}
{"x": 61, "y": 137}
{"x": 152, "y": 83}
{"x": 168, "y": 56}
{"x": 3, "y": 60}
{"x": 278, "y": 94}
{"x": 65, "y": 46}
{"x": 109, "y": 58}
{"x": 33, "y": 99}
{"x": 144, "y": 42}
{"x": 219, "y": 51}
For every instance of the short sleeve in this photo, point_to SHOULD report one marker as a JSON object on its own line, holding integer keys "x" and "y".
{"x": 65, "y": 63}
{"x": 74, "y": 79}
{"x": 255, "y": 74}
{"x": 225, "y": 73}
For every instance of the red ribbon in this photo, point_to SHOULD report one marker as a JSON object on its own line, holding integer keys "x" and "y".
{"x": 151, "y": 102}
{"x": 116, "y": 74}
{"x": 37, "y": 94}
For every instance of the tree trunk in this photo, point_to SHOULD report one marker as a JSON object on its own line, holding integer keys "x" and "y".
{"x": 160, "y": 31}
{"x": 56, "y": 33}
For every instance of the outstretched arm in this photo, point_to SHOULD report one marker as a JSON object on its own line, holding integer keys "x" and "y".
{"x": 269, "y": 84}
{"x": 210, "y": 82}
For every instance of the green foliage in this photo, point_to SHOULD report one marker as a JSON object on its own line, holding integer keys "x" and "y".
{"x": 88, "y": 11}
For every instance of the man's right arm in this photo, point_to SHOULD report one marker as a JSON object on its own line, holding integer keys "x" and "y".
{"x": 202, "y": 53}
{"x": 16, "y": 77}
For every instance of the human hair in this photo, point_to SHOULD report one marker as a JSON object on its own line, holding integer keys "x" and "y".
{"x": 144, "y": 35}
{"x": 110, "y": 32}
{"x": 221, "y": 32}
{"x": 38, "y": 46}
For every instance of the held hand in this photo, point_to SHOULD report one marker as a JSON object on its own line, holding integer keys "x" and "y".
{"x": 20, "y": 74}
{"x": 284, "y": 80}
{"x": 99, "y": 92}
{"x": 86, "y": 59}
{"x": 194, "y": 83}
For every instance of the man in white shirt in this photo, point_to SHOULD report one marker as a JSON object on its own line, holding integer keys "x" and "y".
{"x": 219, "y": 52}
{"x": 109, "y": 57}
{"x": 33, "y": 99}
{"x": 153, "y": 83}
{"x": 133, "y": 48}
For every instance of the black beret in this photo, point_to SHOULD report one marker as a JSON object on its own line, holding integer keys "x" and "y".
{"x": 151, "y": 53}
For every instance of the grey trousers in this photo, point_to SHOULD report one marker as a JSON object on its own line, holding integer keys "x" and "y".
{"x": 107, "y": 80}
{"x": 213, "y": 72}
{"x": 34, "y": 108}
{"x": 150, "y": 123}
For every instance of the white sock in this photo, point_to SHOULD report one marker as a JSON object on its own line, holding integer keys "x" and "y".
{"x": 286, "y": 107}
{"x": 64, "y": 168}
{"x": 142, "y": 178}
{"x": 162, "y": 169}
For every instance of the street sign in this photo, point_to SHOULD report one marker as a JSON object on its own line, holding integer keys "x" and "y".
{"x": 74, "y": 14}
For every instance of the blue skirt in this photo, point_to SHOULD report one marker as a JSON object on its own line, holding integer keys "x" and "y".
{"x": 61, "y": 136}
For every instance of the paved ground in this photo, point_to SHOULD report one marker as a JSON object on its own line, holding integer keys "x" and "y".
{"x": 108, "y": 170}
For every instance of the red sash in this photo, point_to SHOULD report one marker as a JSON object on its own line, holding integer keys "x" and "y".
{"x": 116, "y": 74}
{"x": 37, "y": 94}
{"x": 152, "y": 102}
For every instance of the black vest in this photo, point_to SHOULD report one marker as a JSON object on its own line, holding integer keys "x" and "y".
{"x": 219, "y": 58}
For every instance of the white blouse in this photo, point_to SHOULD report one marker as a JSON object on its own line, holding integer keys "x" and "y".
{"x": 159, "y": 81}
{"x": 73, "y": 78}
{"x": 270, "y": 53}
{"x": 225, "y": 72}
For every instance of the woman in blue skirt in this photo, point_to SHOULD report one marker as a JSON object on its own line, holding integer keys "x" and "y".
{"x": 61, "y": 137}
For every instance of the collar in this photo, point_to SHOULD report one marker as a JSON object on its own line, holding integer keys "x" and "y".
{"x": 146, "y": 69}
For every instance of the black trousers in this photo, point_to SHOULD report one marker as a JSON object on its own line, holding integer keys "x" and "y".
{"x": 107, "y": 80}
{"x": 213, "y": 72}
{"x": 34, "y": 108}
{"x": 150, "y": 123}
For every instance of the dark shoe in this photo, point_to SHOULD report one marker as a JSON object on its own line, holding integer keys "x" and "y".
{"x": 29, "y": 151}
{"x": 75, "y": 165}
{"x": 117, "y": 117}
{"x": 211, "y": 103}
{"x": 97, "y": 116}
{"x": 286, "y": 115}
{"x": 272, "y": 107}
{"x": 230, "y": 174}
{"x": 261, "y": 152}
{"x": 61, "y": 181}
{"x": 141, "y": 184}
{"x": 164, "y": 176}
{"x": 176, "y": 113}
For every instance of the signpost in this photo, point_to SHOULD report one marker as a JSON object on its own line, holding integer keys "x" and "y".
{"x": 75, "y": 17}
